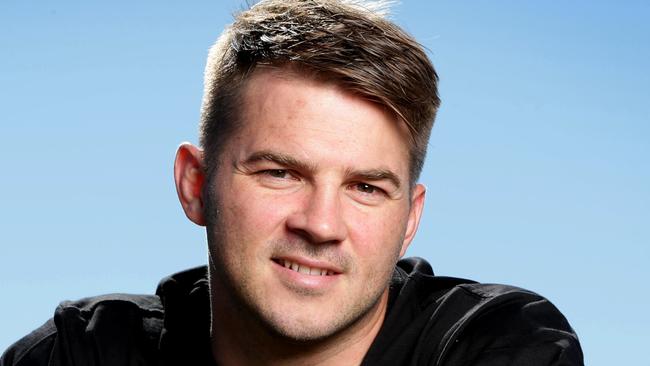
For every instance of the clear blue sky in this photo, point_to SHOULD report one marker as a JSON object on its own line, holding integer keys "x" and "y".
{"x": 538, "y": 168}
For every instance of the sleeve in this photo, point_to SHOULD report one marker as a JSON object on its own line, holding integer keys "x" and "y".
{"x": 519, "y": 333}
{"x": 32, "y": 350}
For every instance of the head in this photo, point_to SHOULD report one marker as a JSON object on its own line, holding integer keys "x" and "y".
{"x": 349, "y": 43}
{"x": 314, "y": 126}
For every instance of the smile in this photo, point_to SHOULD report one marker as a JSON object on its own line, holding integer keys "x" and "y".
{"x": 301, "y": 268}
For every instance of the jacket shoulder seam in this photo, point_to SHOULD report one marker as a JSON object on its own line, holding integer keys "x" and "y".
{"x": 34, "y": 345}
{"x": 89, "y": 305}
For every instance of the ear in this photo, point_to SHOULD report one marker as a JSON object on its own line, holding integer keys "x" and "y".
{"x": 415, "y": 213}
{"x": 190, "y": 176}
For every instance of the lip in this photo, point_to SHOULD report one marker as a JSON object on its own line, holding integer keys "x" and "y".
{"x": 306, "y": 283}
{"x": 332, "y": 269}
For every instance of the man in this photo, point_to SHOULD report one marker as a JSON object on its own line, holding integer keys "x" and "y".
{"x": 315, "y": 122}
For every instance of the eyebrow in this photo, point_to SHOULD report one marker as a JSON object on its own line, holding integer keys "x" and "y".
{"x": 292, "y": 163}
{"x": 279, "y": 158}
{"x": 377, "y": 175}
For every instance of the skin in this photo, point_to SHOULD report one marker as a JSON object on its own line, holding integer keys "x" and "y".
{"x": 316, "y": 177}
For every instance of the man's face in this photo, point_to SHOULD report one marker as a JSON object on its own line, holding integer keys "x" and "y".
{"x": 310, "y": 207}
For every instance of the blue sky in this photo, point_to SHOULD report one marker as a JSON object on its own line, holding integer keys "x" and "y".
{"x": 537, "y": 173}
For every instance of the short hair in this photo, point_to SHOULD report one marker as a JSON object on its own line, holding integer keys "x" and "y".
{"x": 348, "y": 42}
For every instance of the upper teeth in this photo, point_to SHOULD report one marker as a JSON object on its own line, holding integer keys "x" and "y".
{"x": 305, "y": 269}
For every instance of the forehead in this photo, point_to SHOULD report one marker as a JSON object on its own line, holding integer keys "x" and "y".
{"x": 266, "y": 80}
{"x": 294, "y": 111}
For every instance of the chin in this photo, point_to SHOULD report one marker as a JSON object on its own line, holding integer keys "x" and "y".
{"x": 306, "y": 328}
{"x": 304, "y": 332}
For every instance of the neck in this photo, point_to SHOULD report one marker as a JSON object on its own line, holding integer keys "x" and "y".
{"x": 240, "y": 339}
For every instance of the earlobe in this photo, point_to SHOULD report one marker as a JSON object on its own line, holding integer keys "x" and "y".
{"x": 189, "y": 176}
{"x": 415, "y": 213}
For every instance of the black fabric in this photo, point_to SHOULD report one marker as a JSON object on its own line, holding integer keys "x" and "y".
{"x": 431, "y": 320}
{"x": 435, "y": 320}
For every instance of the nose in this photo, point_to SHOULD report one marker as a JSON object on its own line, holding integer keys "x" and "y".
{"x": 319, "y": 217}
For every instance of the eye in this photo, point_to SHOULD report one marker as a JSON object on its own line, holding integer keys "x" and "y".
{"x": 277, "y": 173}
{"x": 366, "y": 188}
{"x": 367, "y": 194}
{"x": 277, "y": 178}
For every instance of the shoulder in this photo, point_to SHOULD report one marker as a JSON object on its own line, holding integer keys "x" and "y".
{"x": 494, "y": 324}
{"x": 90, "y": 325}
{"x": 507, "y": 325}
{"x": 452, "y": 321}
{"x": 32, "y": 349}
{"x": 113, "y": 309}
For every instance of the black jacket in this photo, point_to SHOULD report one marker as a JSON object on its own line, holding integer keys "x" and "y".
{"x": 430, "y": 321}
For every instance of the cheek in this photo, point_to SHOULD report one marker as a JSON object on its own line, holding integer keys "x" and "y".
{"x": 248, "y": 215}
{"x": 377, "y": 234}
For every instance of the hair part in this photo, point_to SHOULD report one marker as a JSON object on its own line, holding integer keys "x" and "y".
{"x": 350, "y": 43}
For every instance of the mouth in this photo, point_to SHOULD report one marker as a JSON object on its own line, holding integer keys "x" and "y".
{"x": 304, "y": 269}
